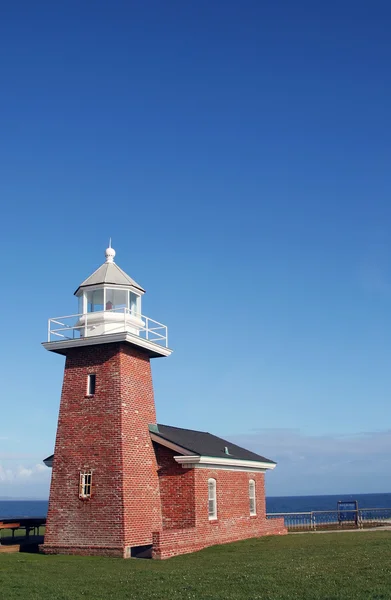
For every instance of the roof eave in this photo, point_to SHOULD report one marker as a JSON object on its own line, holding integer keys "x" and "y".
{"x": 49, "y": 461}
{"x": 224, "y": 463}
{"x": 107, "y": 283}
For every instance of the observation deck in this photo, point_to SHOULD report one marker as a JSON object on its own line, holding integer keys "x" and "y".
{"x": 107, "y": 326}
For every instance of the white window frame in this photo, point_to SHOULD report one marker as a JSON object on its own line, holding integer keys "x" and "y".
{"x": 89, "y": 382}
{"x": 85, "y": 485}
{"x": 252, "y": 497}
{"x": 116, "y": 289}
{"x": 82, "y": 300}
{"x": 92, "y": 290}
{"x": 105, "y": 288}
{"x": 212, "y": 499}
{"x": 138, "y": 303}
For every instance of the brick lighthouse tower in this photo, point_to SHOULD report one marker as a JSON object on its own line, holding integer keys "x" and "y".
{"x": 104, "y": 495}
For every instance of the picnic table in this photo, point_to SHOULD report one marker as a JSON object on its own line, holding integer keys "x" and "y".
{"x": 27, "y": 523}
{"x": 9, "y": 525}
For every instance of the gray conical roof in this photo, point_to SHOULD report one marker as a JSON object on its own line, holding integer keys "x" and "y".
{"x": 109, "y": 273}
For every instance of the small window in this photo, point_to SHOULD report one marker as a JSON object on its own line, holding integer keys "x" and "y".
{"x": 251, "y": 493}
{"x": 85, "y": 485}
{"x": 212, "y": 501}
{"x": 91, "y": 381}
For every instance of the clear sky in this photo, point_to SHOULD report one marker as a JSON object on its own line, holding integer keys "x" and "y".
{"x": 238, "y": 154}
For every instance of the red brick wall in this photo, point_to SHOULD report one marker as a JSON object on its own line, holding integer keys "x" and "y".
{"x": 177, "y": 491}
{"x": 233, "y": 508}
{"x": 108, "y": 434}
{"x": 172, "y": 542}
{"x": 132, "y": 495}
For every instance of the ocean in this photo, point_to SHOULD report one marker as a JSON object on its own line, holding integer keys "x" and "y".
{"x": 278, "y": 504}
{"x": 274, "y": 504}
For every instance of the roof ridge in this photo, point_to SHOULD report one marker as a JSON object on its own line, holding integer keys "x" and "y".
{"x": 128, "y": 277}
{"x": 92, "y": 274}
{"x": 183, "y": 428}
{"x": 89, "y": 277}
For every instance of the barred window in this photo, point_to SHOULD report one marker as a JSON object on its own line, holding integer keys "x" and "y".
{"x": 85, "y": 484}
{"x": 251, "y": 493}
{"x": 212, "y": 500}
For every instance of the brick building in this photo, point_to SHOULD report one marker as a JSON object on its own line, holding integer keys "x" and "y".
{"x": 123, "y": 485}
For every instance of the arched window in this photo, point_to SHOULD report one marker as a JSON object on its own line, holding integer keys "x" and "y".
{"x": 251, "y": 493}
{"x": 212, "y": 500}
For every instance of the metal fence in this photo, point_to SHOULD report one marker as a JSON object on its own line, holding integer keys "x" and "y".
{"x": 333, "y": 519}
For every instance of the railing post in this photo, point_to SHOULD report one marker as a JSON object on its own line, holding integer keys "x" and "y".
{"x": 166, "y": 337}
{"x": 146, "y": 329}
{"x": 48, "y": 330}
{"x": 124, "y": 318}
{"x": 85, "y": 327}
{"x": 313, "y": 521}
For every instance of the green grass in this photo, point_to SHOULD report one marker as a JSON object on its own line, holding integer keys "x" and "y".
{"x": 306, "y": 566}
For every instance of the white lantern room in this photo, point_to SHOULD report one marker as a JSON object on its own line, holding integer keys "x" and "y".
{"x": 109, "y": 301}
{"x": 109, "y": 310}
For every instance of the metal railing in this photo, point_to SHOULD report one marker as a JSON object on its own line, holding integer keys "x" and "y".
{"x": 70, "y": 327}
{"x": 319, "y": 520}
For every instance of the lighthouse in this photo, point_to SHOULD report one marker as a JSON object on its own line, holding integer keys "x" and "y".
{"x": 122, "y": 484}
{"x": 104, "y": 494}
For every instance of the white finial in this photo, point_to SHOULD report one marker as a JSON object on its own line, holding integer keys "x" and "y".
{"x": 109, "y": 253}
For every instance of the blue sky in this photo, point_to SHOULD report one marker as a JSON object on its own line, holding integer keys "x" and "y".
{"x": 238, "y": 155}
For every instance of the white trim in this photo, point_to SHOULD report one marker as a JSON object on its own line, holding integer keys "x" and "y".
{"x": 156, "y": 438}
{"x": 213, "y": 467}
{"x": 223, "y": 463}
{"x": 252, "y": 496}
{"x": 107, "y": 338}
{"x": 212, "y": 497}
{"x": 99, "y": 286}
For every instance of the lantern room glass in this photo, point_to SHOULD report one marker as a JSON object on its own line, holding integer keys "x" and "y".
{"x": 81, "y": 303}
{"x": 134, "y": 302}
{"x": 116, "y": 299}
{"x": 109, "y": 299}
{"x": 94, "y": 300}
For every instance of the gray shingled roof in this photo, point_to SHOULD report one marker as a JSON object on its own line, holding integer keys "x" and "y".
{"x": 202, "y": 443}
{"x": 111, "y": 274}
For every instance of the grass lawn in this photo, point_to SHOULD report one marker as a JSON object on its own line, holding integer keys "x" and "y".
{"x": 307, "y": 566}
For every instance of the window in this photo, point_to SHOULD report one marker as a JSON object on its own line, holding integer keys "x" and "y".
{"x": 91, "y": 381}
{"x": 116, "y": 299}
{"x": 251, "y": 493}
{"x": 81, "y": 304}
{"x": 212, "y": 501}
{"x": 95, "y": 301}
{"x": 134, "y": 302}
{"x": 85, "y": 484}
